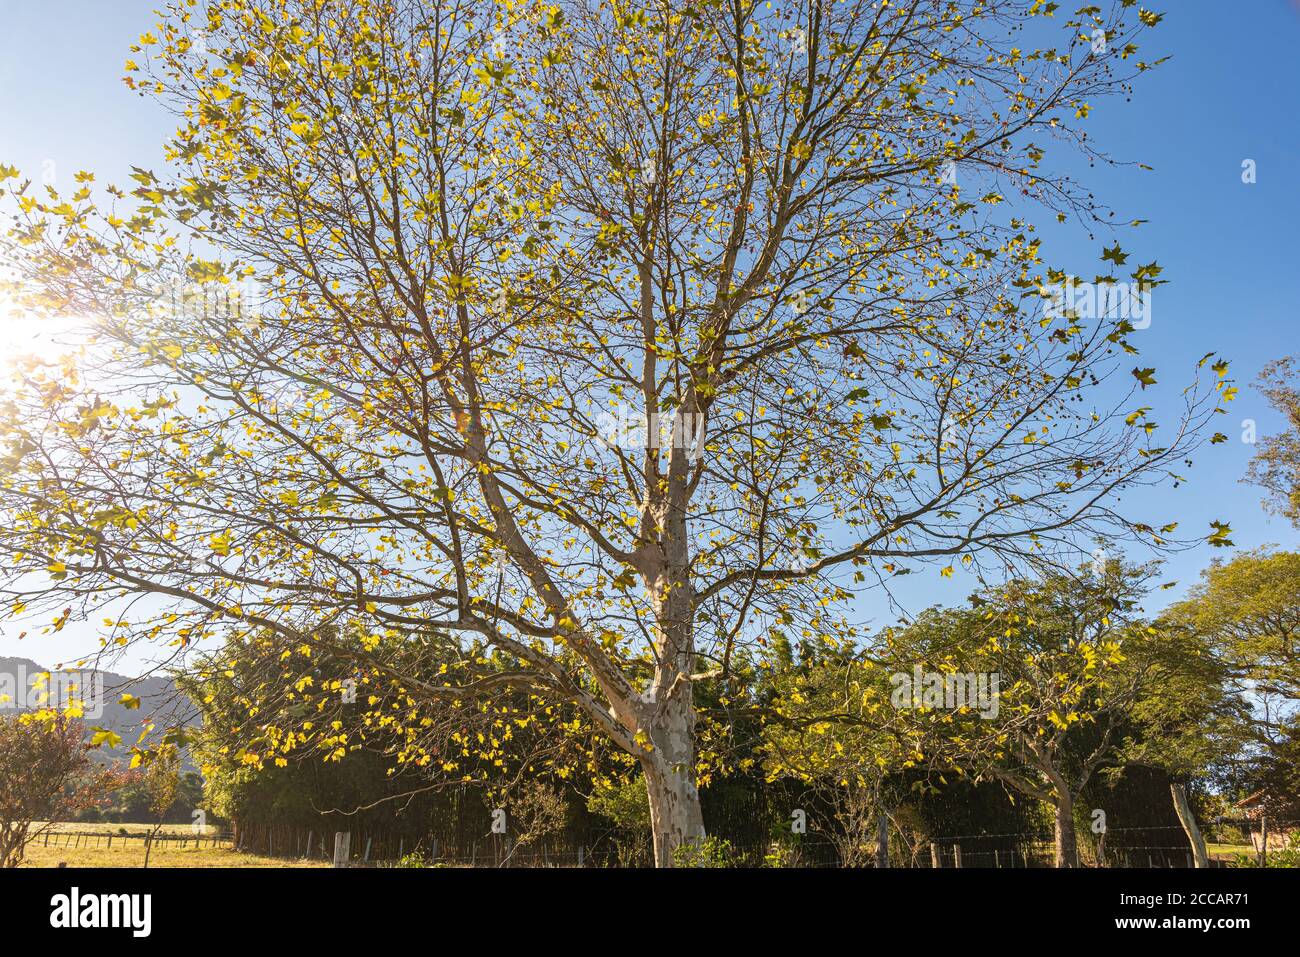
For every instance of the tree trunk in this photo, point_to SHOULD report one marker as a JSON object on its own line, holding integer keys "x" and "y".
{"x": 675, "y": 815}
{"x": 1067, "y": 847}
{"x": 1194, "y": 836}
{"x": 882, "y": 839}
{"x": 668, "y": 716}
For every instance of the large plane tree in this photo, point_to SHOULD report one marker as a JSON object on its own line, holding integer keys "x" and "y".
{"x": 603, "y": 338}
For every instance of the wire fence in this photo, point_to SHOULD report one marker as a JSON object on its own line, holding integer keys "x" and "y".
{"x": 1156, "y": 846}
{"x": 110, "y": 839}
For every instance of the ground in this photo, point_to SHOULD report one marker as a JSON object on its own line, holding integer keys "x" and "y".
{"x": 127, "y": 849}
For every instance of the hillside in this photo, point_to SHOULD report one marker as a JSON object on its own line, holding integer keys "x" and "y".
{"x": 161, "y": 702}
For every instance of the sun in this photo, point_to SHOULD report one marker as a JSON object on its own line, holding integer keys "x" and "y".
{"x": 26, "y": 337}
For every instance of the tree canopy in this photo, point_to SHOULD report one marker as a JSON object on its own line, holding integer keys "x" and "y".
{"x": 369, "y": 348}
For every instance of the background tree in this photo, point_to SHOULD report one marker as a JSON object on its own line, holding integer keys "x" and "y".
{"x": 1249, "y": 610}
{"x": 1064, "y": 651}
{"x": 834, "y": 729}
{"x": 622, "y": 801}
{"x": 537, "y": 808}
{"x": 1276, "y": 465}
{"x": 790, "y": 238}
{"x": 1190, "y": 720}
{"x": 161, "y": 780}
{"x": 45, "y": 777}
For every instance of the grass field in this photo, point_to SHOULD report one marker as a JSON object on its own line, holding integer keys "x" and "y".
{"x": 1229, "y": 851}
{"x": 128, "y": 847}
{"x": 133, "y": 830}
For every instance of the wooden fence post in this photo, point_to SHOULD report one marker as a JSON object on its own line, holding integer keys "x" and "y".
{"x": 956, "y": 855}
{"x": 342, "y": 847}
{"x": 934, "y": 855}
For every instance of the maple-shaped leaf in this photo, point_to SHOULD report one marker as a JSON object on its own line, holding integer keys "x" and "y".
{"x": 1145, "y": 376}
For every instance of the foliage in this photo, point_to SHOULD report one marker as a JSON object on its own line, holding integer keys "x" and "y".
{"x": 416, "y": 858}
{"x": 45, "y": 775}
{"x": 1288, "y": 856}
{"x": 713, "y": 851}
{"x": 537, "y": 809}
{"x": 130, "y": 802}
{"x": 475, "y": 232}
{"x": 161, "y": 781}
{"x": 1249, "y": 609}
{"x": 1276, "y": 466}
{"x": 1187, "y": 718}
{"x": 1062, "y": 660}
{"x": 623, "y": 803}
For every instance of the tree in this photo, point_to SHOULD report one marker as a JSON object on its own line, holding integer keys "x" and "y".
{"x": 1064, "y": 653}
{"x": 537, "y": 809}
{"x": 162, "y": 780}
{"x": 481, "y": 238}
{"x": 833, "y": 728}
{"x": 623, "y": 802}
{"x": 1247, "y": 613}
{"x": 1249, "y": 610}
{"x": 1189, "y": 719}
{"x": 1276, "y": 466}
{"x": 45, "y": 777}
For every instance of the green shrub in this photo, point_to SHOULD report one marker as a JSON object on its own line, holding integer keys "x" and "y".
{"x": 711, "y": 852}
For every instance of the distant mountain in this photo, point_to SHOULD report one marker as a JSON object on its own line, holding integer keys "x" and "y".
{"x": 161, "y": 702}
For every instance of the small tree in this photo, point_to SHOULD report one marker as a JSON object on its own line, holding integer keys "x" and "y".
{"x": 162, "y": 781}
{"x": 1060, "y": 651}
{"x": 537, "y": 809}
{"x": 1245, "y": 613}
{"x": 45, "y": 777}
{"x": 1249, "y": 608}
{"x": 623, "y": 801}
{"x": 833, "y": 728}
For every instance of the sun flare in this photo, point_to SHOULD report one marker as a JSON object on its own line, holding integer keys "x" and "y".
{"x": 27, "y": 337}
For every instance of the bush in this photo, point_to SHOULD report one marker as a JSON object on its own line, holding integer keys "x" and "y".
{"x": 711, "y": 852}
{"x": 417, "y": 858}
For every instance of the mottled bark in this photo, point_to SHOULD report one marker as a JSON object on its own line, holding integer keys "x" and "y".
{"x": 675, "y": 815}
{"x": 1067, "y": 845}
{"x": 1200, "y": 855}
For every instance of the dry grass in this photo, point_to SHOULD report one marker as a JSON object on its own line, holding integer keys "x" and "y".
{"x": 132, "y": 855}
{"x": 129, "y": 852}
{"x": 137, "y": 830}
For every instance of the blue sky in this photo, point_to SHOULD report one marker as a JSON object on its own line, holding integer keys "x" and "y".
{"x": 1230, "y": 92}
